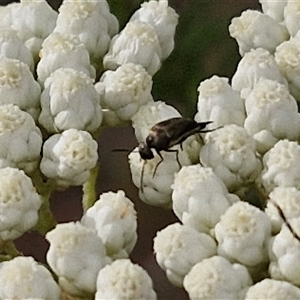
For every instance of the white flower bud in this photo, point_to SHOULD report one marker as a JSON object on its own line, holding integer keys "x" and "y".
{"x": 84, "y": 20}
{"x": 17, "y": 86}
{"x": 288, "y": 199}
{"x": 163, "y": 20}
{"x": 178, "y": 248}
{"x": 155, "y": 189}
{"x": 272, "y": 114}
{"x": 243, "y": 234}
{"x": 69, "y": 103}
{"x": 136, "y": 43}
{"x": 292, "y": 16}
{"x": 124, "y": 91}
{"x": 287, "y": 57}
{"x": 114, "y": 218}
{"x": 219, "y": 103}
{"x": 281, "y": 166}
{"x": 200, "y": 197}
{"x": 30, "y": 29}
{"x": 24, "y": 278}
{"x": 217, "y": 278}
{"x": 150, "y": 114}
{"x": 231, "y": 153}
{"x": 19, "y": 204}
{"x": 76, "y": 255}
{"x": 256, "y": 64}
{"x": 68, "y": 157}
{"x": 254, "y": 29}
{"x": 11, "y": 46}
{"x": 272, "y": 289}
{"x": 124, "y": 280}
{"x": 274, "y": 8}
{"x": 285, "y": 254}
{"x": 20, "y": 139}
{"x": 60, "y": 51}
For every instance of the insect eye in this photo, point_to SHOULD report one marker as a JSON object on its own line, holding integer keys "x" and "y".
{"x": 145, "y": 151}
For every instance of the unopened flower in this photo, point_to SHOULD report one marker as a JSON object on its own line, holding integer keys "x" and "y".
{"x": 243, "y": 234}
{"x": 60, "y": 51}
{"x": 24, "y": 278}
{"x": 19, "y": 204}
{"x": 292, "y": 16}
{"x": 219, "y": 103}
{"x": 200, "y": 197}
{"x": 68, "y": 157}
{"x": 163, "y": 20}
{"x": 20, "y": 139}
{"x": 124, "y": 280}
{"x": 256, "y": 64}
{"x": 85, "y": 20}
{"x": 114, "y": 218}
{"x": 155, "y": 189}
{"x": 231, "y": 153}
{"x": 76, "y": 255}
{"x": 17, "y": 86}
{"x": 178, "y": 248}
{"x": 25, "y": 18}
{"x": 70, "y": 103}
{"x": 124, "y": 91}
{"x": 272, "y": 289}
{"x": 136, "y": 43}
{"x": 274, "y": 8}
{"x": 285, "y": 253}
{"x": 149, "y": 115}
{"x": 217, "y": 278}
{"x": 11, "y": 46}
{"x": 272, "y": 114}
{"x": 287, "y": 57}
{"x": 281, "y": 166}
{"x": 254, "y": 29}
{"x": 288, "y": 199}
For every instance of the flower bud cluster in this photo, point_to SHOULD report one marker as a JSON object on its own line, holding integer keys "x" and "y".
{"x": 51, "y": 112}
{"x": 64, "y": 80}
{"x": 225, "y": 246}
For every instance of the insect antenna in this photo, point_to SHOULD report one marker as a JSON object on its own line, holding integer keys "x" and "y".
{"x": 286, "y": 222}
{"x": 142, "y": 176}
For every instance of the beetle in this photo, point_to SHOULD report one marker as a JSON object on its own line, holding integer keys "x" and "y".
{"x": 166, "y": 134}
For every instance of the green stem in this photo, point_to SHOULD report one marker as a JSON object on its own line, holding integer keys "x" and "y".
{"x": 46, "y": 220}
{"x": 89, "y": 190}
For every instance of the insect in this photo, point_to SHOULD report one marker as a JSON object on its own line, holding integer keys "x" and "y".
{"x": 167, "y": 134}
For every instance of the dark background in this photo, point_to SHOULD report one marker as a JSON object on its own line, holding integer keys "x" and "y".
{"x": 203, "y": 48}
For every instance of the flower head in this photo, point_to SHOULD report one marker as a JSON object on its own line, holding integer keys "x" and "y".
{"x": 219, "y": 103}
{"x": 114, "y": 218}
{"x": 19, "y": 204}
{"x": 254, "y": 29}
{"x": 217, "y": 278}
{"x": 124, "y": 91}
{"x": 137, "y": 43}
{"x": 124, "y": 280}
{"x": 68, "y": 157}
{"x": 178, "y": 248}
{"x": 70, "y": 103}
{"x": 24, "y": 278}
{"x": 200, "y": 197}
{"x": 76, "y": 255}
{"x": 20, "y": 139}
{"x": 163, "y": 20}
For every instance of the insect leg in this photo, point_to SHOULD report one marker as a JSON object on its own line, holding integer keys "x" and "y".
{"x": 177, "y": 159}
{"x": 161, "y": 159}
{"x": 142, "y": 176}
